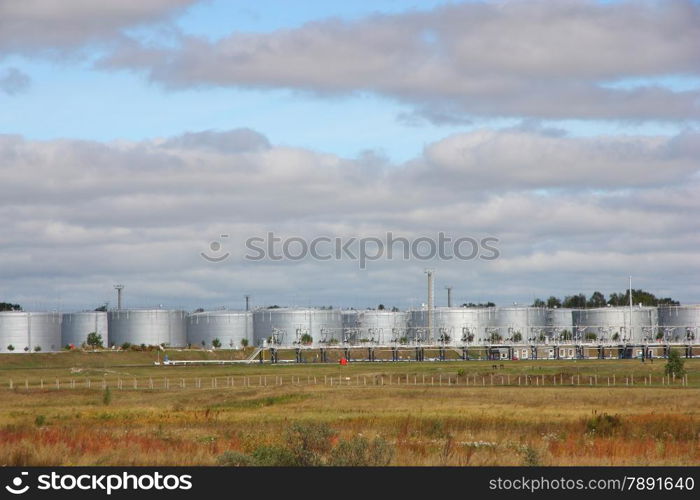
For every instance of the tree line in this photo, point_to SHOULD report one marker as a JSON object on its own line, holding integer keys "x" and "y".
{"x": 598, "y": 299}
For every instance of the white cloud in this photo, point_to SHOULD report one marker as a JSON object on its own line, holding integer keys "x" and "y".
{"x": 57, "y": 26}
{"x": 506, "y": 58}
{"x": 570, "y": 213}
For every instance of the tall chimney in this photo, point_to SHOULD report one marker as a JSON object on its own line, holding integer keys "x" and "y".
{"x": 429, "y": 272}
{"x": 119, "y": 289}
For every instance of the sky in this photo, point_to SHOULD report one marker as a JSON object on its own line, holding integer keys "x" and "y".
{"x": 134, "y": 135}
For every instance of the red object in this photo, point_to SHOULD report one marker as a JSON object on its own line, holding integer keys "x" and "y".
{"x": 343, "y": 361}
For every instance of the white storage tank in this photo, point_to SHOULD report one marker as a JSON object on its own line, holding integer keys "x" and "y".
{"x": 30, "y": 331}
{"x": 231, "y": 328}
{"x": 76, "y": 327}
{"x": 451, "y": 325}
{"x": 148, "y": 327}
{"x": 381, "y": 326}
{"x": 287, "y": 326}
{"x": 613, "y": 324}
{"x": 560, "y": 324}
{"x": 679, "y": 323}
{"x": 515, "y": 324}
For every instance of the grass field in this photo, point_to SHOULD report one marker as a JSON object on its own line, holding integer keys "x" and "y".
{"x": 451, "y": 413}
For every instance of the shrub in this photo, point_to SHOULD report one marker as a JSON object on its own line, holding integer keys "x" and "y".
{"x": 275, "y": 456}
{"x": 530, "y": 456}
{"x": 603, "y": 425}
{"x": 10, "y": 348}
{"x": 361, "y": 452}
{"x": 126, "y": 345}
{"x": 244, "y": 342}
{"x": 308, "y": 442}
{"x": 235, "y": 459}
{"x": 674, "y": 364}
{"x": 216, "y": 343}
{"x": 107, "y": 396}
{"x": 40, "y": 420}
{"x": 94, "y": 339}
{"x": 37, "y": 348}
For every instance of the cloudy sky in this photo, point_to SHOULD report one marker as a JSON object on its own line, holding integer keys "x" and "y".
{"x": 135, "y": 134}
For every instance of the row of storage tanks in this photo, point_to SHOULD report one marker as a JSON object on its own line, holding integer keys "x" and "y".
{"x": 42, "y": 331}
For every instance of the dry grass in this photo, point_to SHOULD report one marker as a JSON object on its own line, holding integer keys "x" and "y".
{"x": 425, "y": 425}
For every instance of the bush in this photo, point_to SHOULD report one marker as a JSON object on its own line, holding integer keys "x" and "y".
{"x": 244, "y": 342}
{"x": 126, "y": 345}
{"x": 107, "y": 396}
{"x": 530, "y": 456}
{"x": 216, "y": 343}
{"x": 361, "y": 452}
{"x": 311, "y": 444}
{"x": 235, "y": 459}
{"x": 10, "y": 348}
{"x": 604, "y": 425}
{"x": 37, "y": 348}
{"x": 275, "y": 456}
{"x": 94, "y": 339}
{"x": 40, "y": 420}
{"x": 308, "y": 442}
{"x": 674, "y": 364}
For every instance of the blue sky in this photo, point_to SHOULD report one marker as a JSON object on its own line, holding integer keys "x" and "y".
{"x": 76, "y": 100}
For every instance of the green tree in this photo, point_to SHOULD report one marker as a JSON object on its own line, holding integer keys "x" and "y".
{"x": 597, "y": 300}
{"x": 10, "y": 348}
{"x": 553, "y": 302}
{"x": 244, "y": 342}
{"x": 37, "y": 348}
{"x": 6, "y": 306}
{"x": 674, "y": 364}
{"x": 101, "y": 308}
{"x": 575, "y": 301}
{"x": 517, "y": 337}
{"x": 539, "y": 303}
{"x": 306, "y": 339}
{"x": 381, "y": 307}
{"x": 216, "y": 343}
{"x": 94, "y": 339}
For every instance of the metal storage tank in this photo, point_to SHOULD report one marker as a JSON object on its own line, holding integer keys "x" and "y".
{"x": 26, "y": 331}
{"x": 612, "y": 324}
{"x": 350, "y": 326}
{"x": 230, "y": 327}
{"x": 76, "y": 327}
{"x": 516, "y": 324}
{"x": 147, "y": 326}
{"x": 381, "y": 327}
{"x": 285, "y": 326}
{"x": 679, "y": 323}
{"x": 560, "y": 324}
{"x": 456, "y": 325}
